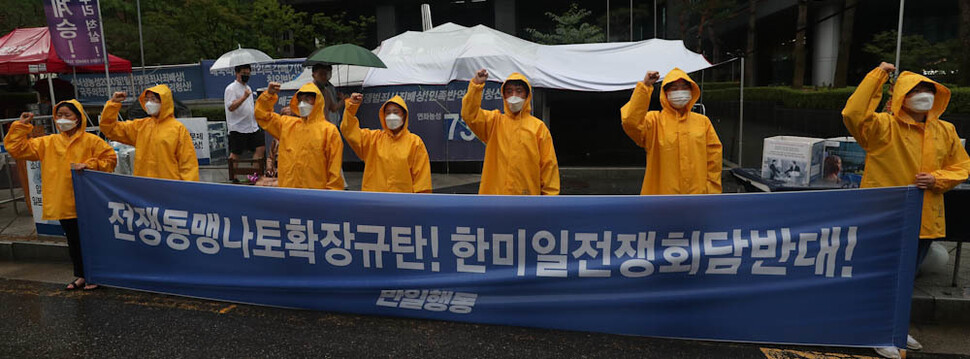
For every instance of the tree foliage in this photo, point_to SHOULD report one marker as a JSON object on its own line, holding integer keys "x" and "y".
{"x": 20, "y": 13}
{"x": 185, "y": 31}
{"x": 917, "y": 55}
{"x": 336, "y": 29}
{"x": 569, "y": 28}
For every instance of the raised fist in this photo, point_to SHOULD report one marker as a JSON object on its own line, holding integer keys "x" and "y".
{"x": 889, "y": 68}
{"x": 274, "y": 88}
{"x": 480, "y": 77}
{"x": 356, "y": 98}
{"x": 119, "y": 97}
{"x": 26, "y": 117}
{"x": 651, "y": 78}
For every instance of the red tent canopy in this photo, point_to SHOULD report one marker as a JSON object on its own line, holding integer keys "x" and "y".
{"x": 30, "y": 51}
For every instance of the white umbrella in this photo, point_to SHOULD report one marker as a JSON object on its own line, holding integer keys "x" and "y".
{"x": 238, "y": 57}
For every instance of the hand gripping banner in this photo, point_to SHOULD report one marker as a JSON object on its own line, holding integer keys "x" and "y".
{"x": 818, "y": 268}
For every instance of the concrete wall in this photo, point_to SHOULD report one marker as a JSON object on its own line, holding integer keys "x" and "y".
{"x": 505, "y": 16}
{"x": 386, "y": 22}
{"x": 825, "y": 48}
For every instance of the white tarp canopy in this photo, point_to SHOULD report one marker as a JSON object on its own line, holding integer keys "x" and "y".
{"x": 452, "y": 52}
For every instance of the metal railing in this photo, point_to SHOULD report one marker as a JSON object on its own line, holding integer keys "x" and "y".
{"x": 6, "y": 167}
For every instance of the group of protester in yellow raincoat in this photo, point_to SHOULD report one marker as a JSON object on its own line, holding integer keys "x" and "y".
{"x": 905, "y": 146}
{"x": 163, "y": 149}
{"x": 519, "y": 155}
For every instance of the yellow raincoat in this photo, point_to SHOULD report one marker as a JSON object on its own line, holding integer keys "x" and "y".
{"x": 519, "y": 155}
{"x": 56, "y": 153}
{"x": 392, "y": 163}
{"x": 311, "y": 151}
{"x": 898, "y": 148}
{"x": 163, "y": 147}
{"x": 683, "y": 150}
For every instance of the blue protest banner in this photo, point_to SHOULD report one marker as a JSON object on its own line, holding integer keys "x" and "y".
{"x": 434, "y": 113}
{"x": 282, "y": 70}
{"x": 780, "y": 267}
{"x": 184, "y": 80}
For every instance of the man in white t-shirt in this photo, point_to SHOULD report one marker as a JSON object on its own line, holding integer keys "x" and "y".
{"x": 244, "y": 133}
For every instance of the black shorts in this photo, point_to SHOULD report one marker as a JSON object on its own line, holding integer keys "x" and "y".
{"x": 241, "y": 142}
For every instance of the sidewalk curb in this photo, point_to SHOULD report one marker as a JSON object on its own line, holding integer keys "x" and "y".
{"x": 27, "y": 251}
{"x": 941, "y": 305}
{"x": 935, "y": 305}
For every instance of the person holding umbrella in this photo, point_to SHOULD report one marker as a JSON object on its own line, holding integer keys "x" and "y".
{"x": 322, "y": 61}
{"x": 334, "y": 99}
{"x": 244, "y": 133}
{"x": 311, "y": 151}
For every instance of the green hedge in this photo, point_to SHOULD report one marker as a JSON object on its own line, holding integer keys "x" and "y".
{"x": 213, "y": 113}
{"x": 710, "y": 86}
{"x": 807, "y": 99}
{"x": 824, "y": 98}
{"x": 959, "y": 100}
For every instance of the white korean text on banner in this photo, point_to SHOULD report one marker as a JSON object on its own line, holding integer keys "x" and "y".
{"x": 815, "y": 268}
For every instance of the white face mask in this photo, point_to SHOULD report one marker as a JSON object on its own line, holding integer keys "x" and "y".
{"x": 65, "y": 125}
{"x": 515, "y": 103}
{"x": 305, "y": 108}
{"x": 920, "y": 103}
{"x": 394, "y": 121}
{"x": 152, "y": 107}
{"x": 679, "y": 98}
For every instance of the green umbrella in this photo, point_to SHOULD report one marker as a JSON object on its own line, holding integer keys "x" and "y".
{"x": 344, "y": 54}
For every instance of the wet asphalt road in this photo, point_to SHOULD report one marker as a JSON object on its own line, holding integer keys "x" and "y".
{"x": 42, "y": 320}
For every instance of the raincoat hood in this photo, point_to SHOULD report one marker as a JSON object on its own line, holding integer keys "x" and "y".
{"x": 527, "y": 108}
{"x": 400, "y": 102}
{"x": 318, "y": 104}
{"x": 905, "y": 83}
{"x": 82, "y": 126}
{"x": 168, "y": 104}
{"x": 672, "y": 76}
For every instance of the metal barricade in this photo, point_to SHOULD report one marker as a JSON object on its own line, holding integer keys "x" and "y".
{"x": 6, "y": 163}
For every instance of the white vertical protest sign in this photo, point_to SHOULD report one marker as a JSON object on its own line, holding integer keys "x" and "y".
{"x": 35, "y": 186}
{"x": 199, "y": 130}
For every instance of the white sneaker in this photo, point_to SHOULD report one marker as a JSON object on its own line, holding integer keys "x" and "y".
{"x": 912, "y": 344}
{"x": 888, "y": 352}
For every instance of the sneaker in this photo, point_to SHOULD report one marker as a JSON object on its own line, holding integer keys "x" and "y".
{"x": 888, "y": 352}
{"x": 912, "y": 344}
